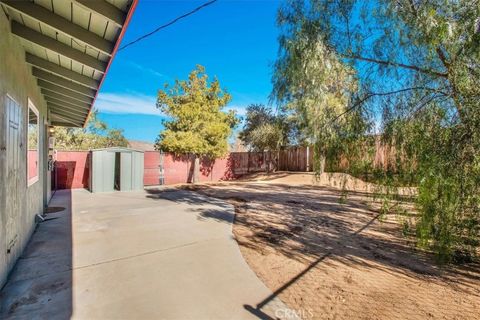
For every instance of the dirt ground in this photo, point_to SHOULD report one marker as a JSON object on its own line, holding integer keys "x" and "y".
{"x": 329, "y": 255}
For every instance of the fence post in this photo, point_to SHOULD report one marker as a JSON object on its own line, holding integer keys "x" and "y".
{"x": 265, "y": 161}
{"x": 298, "y": 160}
{"x": 308, "y": 158}
{"x": 279, "y": 166}
{"x": 162, "y": 169}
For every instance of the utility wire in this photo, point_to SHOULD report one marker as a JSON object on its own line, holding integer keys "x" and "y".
{"x": 206, "y": 4}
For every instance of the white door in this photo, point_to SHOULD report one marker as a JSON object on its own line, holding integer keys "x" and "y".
{"x": 13, "y": 147}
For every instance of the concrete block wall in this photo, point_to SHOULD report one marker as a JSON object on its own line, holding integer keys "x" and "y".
{"x": 17, "y": 81}
{"x": 72, "y": 170}
{"x": 178, "y": 169}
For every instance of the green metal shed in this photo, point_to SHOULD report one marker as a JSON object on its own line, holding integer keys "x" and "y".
{"x": 116, "y": 169}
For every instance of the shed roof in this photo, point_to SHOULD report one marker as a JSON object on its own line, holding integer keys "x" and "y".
{"x": 70, "y": 45}
{"x": 117, "y": 149}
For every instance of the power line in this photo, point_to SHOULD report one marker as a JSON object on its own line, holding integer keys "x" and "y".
{"x": 206, "y": 4}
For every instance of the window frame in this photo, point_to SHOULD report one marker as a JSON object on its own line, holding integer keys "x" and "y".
{"x": 32, "y": 107}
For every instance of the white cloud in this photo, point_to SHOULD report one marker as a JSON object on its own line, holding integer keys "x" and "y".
{"x": 241, "y": 110}
{"x": 132, "y": 103}
{"x": 142, "y": 68}
{"x": 126, "y": 104}
{"x": 148, "y": 70}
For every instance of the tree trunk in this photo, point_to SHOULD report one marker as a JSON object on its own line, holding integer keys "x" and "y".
{"x": 322, "y": 163}
{"x": 307, "y": 159}
{"x": 319, "y": 156}
{"x": 196, "y": 169}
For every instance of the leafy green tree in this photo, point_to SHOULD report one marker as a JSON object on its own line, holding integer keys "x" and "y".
{"x": 265, "y": 131}
{"x": 96, "y": 134}
{"x": 196, "y": 121}
{"x": 267, "y": 137}
{"x": 417, "y": 68}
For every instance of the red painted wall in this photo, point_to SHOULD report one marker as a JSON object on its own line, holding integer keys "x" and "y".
{"x": 72, "y": 170}
{"x": 32, "y": 160}
{"x": 178, "y": 169}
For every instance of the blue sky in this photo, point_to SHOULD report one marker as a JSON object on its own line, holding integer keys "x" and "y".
{"x": 235, "y": 40}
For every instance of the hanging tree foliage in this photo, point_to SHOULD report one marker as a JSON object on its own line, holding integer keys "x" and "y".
{"x": 417, "y": 68}
{"x": 315, "y": 84}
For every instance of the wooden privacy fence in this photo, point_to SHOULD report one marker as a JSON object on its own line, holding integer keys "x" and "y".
{"x": 382, "y": 157}
{"x": 295, "y": 159}
{"x": 291, "y": 159}
{"x": 301, "y": 159}
{"x": 249, "y": 162}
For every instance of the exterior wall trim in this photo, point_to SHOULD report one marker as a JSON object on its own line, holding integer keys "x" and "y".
{"x": 32, "y": 106}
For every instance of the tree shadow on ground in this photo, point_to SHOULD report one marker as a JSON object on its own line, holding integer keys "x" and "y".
{"x": 305, "y": 223}
{"x": 325, "y": 232}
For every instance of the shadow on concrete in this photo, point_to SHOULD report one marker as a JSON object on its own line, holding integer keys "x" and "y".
{"x": 65, "y": 171}
{"x": 40, "y": 284}
{"x": 201, "y": 204}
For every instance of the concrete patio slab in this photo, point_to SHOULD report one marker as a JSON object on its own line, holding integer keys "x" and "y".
{"x": 136, "y": 255}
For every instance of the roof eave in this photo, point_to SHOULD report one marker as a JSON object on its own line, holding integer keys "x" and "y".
{"x": 114, "y": 52}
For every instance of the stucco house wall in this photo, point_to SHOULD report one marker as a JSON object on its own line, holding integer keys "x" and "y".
{"x": 16, "y": 81}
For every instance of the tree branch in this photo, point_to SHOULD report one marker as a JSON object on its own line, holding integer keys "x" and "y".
{"x": 443, "y": 58}
{"x": 413, "y": 8}
{"x": 373, "y": 94}
{"x": 396, "y": 64}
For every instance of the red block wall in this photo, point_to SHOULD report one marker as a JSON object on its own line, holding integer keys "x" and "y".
{"x": 72, "y": 170}
{"x": 177, "y": 169}
{"x": 32, "y": 160}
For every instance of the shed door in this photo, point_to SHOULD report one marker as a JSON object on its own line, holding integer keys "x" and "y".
{"x": 137, "y": 170}
{"x": 13, "y": 147}
{"x": 107, "y": 172}
{"x": 102, "y": 169}
{"x": 126, "y": 171}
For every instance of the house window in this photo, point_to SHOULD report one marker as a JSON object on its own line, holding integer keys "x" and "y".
{"x": 33, "y": 159}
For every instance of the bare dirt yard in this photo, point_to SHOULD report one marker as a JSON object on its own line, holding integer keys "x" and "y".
{"x": 332, "y": 256}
